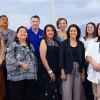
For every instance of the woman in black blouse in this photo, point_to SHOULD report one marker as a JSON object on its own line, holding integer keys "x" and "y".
{"x": 71, "y": 62}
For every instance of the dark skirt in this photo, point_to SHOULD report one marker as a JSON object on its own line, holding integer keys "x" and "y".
{"x": 48, "y": 89}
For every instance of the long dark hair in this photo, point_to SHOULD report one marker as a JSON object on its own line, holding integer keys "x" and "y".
{"x": 97, "y": 32}
{"x": 16, "y": 38}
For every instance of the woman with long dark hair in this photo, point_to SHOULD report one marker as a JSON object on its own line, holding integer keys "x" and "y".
{"x": 21, "y": 66}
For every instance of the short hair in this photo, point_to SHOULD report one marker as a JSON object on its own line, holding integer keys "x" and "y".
{"x": 3, "y": 16}
{"x": 54, "y": 29}
{"x": 86, "y": 34}
{"x": 35, "y": 16}
{"x": 97, "y": 32}
{"x": 78, "y": 31}
{"x": 58, "y": 21}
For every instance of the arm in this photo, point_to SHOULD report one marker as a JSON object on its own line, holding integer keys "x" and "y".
{"x": 61, "y": 61}
{"x": 89, "y": 56}
{"x": 43, "y": 50}
{"x": 93, "y": 63}
{"x": 2, "y": 51}
{"x": 61, "y": 55}
{"x": 11, "y": 62}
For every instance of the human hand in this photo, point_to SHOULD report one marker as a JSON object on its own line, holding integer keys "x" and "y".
{"x": 24, "y": 66}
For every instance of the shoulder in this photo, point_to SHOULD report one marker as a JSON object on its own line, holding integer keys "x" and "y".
{"x": 11, "y": 31}
{"x": 81, "y": 43}
{"x": 12, "y": 46}
{"x": 63, "y": 43}
{"x": 82, "y": 39}
{"x": 92, "y": 41}
{"x": 29, "y": 30}
{"x": 40, "y": 31}
{"x": 43, "y": 41}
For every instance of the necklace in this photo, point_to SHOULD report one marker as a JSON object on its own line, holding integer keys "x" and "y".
{"x": 25, "y": 49}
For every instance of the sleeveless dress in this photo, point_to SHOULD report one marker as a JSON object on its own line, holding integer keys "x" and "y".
{"x": 50, "y": 88}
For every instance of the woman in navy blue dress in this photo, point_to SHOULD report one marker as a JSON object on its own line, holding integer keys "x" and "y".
{"x": 49, "y": 53}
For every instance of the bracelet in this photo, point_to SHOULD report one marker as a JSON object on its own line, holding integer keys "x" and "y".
{"x": 50, "y": 71}
{"x": 20, "y": 63}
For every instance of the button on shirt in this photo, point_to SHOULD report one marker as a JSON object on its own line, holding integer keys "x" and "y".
{"x": 35, "y": 39}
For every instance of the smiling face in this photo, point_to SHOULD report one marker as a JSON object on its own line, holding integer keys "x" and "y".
{"x": 73, "y": 33}
{"x": 4, "y": 21}
{"x": 90, "y": 29}
{"x": 22, "y": 34}
{"x": 62, "y": 25}
{"x": 49, "y": 33}
{"x": 35, "y": 22}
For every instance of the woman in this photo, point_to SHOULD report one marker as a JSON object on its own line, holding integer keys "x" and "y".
{"x": 21, "y": 66}
{"x": 49, "y": 53}
{"x": 90, "y": 34}
{"x": 93, "y": 57}
{"x": 61, "y": 25}
{"x": 1, "y": 73}
{"x": 61, "y": 36}
{"x": 71, "y": 62}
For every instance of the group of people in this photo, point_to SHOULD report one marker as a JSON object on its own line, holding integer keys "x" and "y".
{"x": 47, "y": 64}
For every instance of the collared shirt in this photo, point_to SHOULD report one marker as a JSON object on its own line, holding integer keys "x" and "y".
{"x": 9, "y": 37}
{"x": 35, "y": 39}
{"x": 93, "y": 51}
{"x": 85, "y": 42}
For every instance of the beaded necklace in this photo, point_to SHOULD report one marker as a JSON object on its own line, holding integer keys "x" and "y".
{"x": 25, "y": 49}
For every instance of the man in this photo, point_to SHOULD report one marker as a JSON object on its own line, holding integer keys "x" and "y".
{"x": 8, "y": 36}
{"x": 35, "y": 36}
{"x": 35, "y": 33}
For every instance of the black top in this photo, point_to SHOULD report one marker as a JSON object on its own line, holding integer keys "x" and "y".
{"x": 66, "y": 57}
{"x": 75, "y": 54}
{"x": 52, "y": 55}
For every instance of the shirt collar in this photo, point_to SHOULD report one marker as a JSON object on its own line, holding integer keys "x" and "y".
{"x": 8, "y": 31}
{"x": 32, "y": 31}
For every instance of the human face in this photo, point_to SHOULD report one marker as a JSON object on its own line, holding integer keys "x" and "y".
{"x": 99, "y": 30}
{"x": 35, "y": 23}
{"x": 4, "y": 21}
{"x": 62, "y": 25}
{"x": 73, "y": 33}
{"x": 22, "y": 34}
{"x": 49, "y": 33}
{"x": 90, "y": 29}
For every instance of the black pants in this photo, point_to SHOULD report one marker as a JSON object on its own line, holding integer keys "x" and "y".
{"x": 88, "y": 87}
{"x": 38, "y": 85}
{"x": 22, "y": 90}
{"x": 6, "y": 84}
